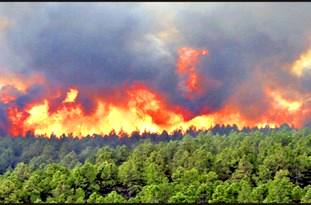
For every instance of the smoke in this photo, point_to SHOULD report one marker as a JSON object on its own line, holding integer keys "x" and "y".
{"x": 102, "y": 48}
{"x": 251, "y": 46}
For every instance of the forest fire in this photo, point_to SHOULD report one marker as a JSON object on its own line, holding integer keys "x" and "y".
{"x": 155, "y": 102}
{"x": 191, "y": 81}
{"x": 302, "y": 64}
{"x": 144, "y": 111}
{"x": 141, "y": 108}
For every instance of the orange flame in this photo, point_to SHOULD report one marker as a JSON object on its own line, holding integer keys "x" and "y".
{"x": 302, "y": 64}
{"x": 186, "y": 68}
{"x": 144, "y": 112}
{"x": 143, "y": 109}
{"x": 19, "y": 82}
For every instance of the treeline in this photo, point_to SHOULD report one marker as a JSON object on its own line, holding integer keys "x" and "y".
{"x": 36, "y": 150}
{"x": 256, "y": 166}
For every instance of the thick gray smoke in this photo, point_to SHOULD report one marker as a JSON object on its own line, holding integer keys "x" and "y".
{"x": 98, "y": 47}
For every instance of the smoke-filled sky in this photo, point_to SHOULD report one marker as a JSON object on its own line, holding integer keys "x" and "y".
{"x": 101, "y": 49}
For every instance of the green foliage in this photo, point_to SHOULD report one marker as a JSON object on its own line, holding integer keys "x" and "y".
{"x": 226, "y": 192}
{"x": 262, "y": 167}
{"x": 154, "y": 193}
{"x": 307, "y": 196}
{"x": 280, "y": 189}
{"x": 113, "y": 197}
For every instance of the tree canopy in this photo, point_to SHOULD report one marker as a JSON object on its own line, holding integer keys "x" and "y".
{"x": 257, "y": 166}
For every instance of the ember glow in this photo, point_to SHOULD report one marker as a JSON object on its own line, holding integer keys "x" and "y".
{"x": 89, "y": 69}
{"x": 191, "y": 81}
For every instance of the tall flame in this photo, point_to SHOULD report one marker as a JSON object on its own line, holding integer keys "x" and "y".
{"x": 144, "y": 109}
{"x": 191, "y": 81}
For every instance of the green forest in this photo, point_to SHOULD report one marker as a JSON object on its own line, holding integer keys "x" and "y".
{"x": 255, "y": 166}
